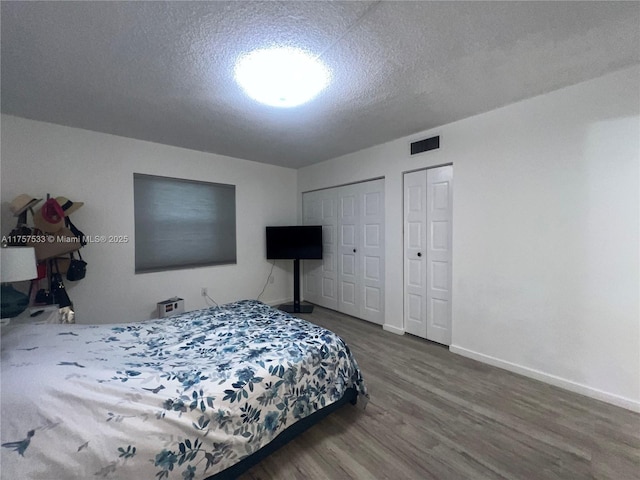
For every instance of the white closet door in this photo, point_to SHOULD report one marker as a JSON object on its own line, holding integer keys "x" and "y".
{"x": 415, "y": 261}
{"x": 320, "y": 276}
{"x": 329, "y": 285}
{"x": 349, "y": 274}
{"x": 372, "y": 250}
{"x": 439, "y": 214}
{"x": 350, "y": 278}
{"x": 428, "y": 212}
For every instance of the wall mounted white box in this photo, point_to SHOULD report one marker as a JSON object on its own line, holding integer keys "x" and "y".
{"x": 172, "y": 306}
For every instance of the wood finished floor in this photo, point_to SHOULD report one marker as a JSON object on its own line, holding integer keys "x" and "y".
{"x": 437, "y": 415}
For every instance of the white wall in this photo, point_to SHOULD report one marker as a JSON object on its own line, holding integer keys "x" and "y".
{"x": 40, "y": 158}
{"x": 546, "y": 233}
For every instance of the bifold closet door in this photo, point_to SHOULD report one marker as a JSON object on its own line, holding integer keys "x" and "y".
{"x": 428, "y": 212}
{"x": 350, "y": 278}
{"x": 361, "y": 250}
{"x": 415, "y": 243}
{"x": 320, "y": 276}
{"x": 372, "y": 251}
{"x": 349, "y": 268}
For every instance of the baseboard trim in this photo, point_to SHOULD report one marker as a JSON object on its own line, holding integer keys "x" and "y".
{"x": 392, "y": 329}
{"x": 611, "y": 398}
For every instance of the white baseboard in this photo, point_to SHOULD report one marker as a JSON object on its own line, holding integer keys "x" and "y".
{"x": 611, "y": 398}
{"x": 392, "y": 329}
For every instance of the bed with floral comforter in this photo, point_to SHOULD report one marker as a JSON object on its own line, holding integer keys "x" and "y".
{"x": 184, "y": 397}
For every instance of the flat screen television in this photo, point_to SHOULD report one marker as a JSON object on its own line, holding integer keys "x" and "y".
{"x": 294, "y": 242}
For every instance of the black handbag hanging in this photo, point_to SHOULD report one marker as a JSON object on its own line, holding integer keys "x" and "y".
{"x": 43, "y": 297}
{"x": 77, "y": 268}
{"x": 60, "y": 295}
{"x": 78, "y": 233}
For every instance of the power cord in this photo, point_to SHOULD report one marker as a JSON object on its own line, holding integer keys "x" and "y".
{"x": 267, "y": 281}
{"x": 206, "y": 296}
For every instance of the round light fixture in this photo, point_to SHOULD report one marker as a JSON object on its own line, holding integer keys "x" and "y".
{"x": 281, "y": 76}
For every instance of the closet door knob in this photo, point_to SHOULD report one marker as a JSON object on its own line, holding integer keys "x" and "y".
{"x": 354, "y": 250}
{"x": 419, "y": 254}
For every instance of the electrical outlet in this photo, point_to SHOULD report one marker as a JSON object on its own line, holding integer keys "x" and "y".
{"x": 203, "y": 291}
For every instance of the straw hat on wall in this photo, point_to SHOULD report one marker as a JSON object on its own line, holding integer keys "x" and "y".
{"x": 22, "y": 202}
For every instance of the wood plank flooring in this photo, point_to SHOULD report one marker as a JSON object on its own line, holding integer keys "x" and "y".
{"x": 437, "y": 415}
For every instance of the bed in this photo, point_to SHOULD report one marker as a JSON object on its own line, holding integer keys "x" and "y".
{"x": 202, "y": 395}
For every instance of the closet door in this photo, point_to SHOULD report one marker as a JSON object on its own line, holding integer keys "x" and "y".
{"x": 372, "y": 251}
{"x": 439, "y": 214}
{"x": 320, "y": 276}
{"x": 349, "y": 263}
{"x": 415, "y": 261}
{"x": 350, "y": 278}
{"x": 427, "y": 245}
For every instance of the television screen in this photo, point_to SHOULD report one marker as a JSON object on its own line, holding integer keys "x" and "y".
{"x": 294, "y": 242}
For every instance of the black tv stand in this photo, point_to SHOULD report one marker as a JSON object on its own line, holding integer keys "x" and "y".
{"x": 296, "y": 306}
{"x": 291, "y": 308}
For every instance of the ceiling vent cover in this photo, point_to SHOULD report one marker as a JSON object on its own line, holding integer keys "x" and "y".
{"x": 425, "y": 145}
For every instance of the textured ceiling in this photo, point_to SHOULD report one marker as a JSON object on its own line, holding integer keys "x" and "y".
{"x": 163, "y": 71}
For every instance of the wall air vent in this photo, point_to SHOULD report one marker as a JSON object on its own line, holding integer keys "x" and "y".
{"x": 425, "y": 145}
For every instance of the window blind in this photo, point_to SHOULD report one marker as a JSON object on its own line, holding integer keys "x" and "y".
{"x": 182, "y": 223}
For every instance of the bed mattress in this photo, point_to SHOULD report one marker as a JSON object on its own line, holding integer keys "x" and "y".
{"x": 184, "y": 397}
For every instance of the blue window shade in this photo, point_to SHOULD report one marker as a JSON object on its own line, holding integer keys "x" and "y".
{"x": 183, "y": 223}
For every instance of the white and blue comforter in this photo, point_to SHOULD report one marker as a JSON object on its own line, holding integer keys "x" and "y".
{"x": 183, "y": 397}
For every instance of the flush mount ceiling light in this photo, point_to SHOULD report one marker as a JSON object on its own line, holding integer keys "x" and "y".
{"x": 281, "y": 76}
